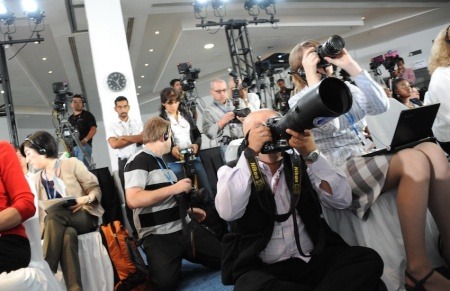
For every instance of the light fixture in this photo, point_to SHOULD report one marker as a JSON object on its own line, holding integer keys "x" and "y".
{"x": 157, "y": 32}
{"x": 142, "y": 76}
{"x": 50, "y": 72}
{"x": 139, "y": 87}
{"x": 32, "y": 11}
{"x": 150, "y": 50}
{"x": 208, "y": 46}
{"x": 44, "y": 59}
{"x": 200, "y": 9}
{"x": 252, "y": 7}
{"x": 146, "y": 65}
{"x": 216, "y": 4}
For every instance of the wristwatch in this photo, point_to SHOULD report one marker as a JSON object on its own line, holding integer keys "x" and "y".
{"x": 313, "y": 156}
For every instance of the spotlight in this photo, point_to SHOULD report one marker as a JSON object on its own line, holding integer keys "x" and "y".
{"x": 266, "y": 3}
{"x": 217, "y": 4}
{"x": 36, "y": 16}
{"x": 249, "y": 4}
{"x": 200, "y": 6}
{"x": 7, "y": 18}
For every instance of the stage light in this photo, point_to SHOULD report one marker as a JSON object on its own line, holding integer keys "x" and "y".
{"x": 200, "y": 5}
{"x": 217, "y": 4}
{"x": 266, "y": 3}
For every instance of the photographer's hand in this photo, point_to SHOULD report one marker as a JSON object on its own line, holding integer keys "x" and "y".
{"x": 258, "y": 136}
{"x": 197, "y": 214}
{"x": 226, "y": 119}
{"x": 346, "y": 62}
{"x": 310, "y": 60}
{"x": 194, "y": 148}
{"x": 182, "y": 186}
{"x": 176, "y": 152}
{"x": 303, "y": 142}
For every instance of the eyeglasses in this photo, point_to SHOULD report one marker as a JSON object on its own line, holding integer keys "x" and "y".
{"x": 220, "y": 91}
{"x": 170, "y": 102}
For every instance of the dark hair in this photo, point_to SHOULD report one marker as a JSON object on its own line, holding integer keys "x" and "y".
{"x": 78, "y": 96}
{"x": 168, "y": 94}
{"x": 40, "y": 141}
{"x": 399, "y": 59}
{"x": 395, "y": 83}
{"x": 280, "y": 80}
{"x": 120, "y": 98}
{"x": 173, "y": 81}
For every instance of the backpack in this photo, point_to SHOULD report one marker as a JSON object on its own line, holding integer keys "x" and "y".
{"x": 130, "y": 271}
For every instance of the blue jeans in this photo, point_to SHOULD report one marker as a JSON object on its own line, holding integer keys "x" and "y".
{"x": 201, "y": 174}
{"x": 76, "y": 152}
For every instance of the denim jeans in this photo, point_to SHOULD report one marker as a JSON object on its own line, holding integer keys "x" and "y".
{"x": 76, "y": 152}
{"x": 201, "y": 174}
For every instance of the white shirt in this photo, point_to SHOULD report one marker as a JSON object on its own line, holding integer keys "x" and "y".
{"x": 439, "y": 92}
{"x": 234, "y": 189}
{"x": 181, "y": 131}
{"x": 129, "y": 127}
{"x": 253, "y": 101}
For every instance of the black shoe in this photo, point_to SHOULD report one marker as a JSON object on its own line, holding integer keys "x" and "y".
{"x": 418, "y": 284}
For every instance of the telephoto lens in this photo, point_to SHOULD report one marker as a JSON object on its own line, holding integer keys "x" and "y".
{"x": 331, "y": 48}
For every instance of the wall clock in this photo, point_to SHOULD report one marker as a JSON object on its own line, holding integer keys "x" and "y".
{"x": 116, "y": 81}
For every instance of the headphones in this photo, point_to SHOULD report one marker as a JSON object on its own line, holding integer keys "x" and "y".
{"x": 301, "y": 73}
{"x": 447, "y": 39}
{"x": 166, "y": 134}
{"x": 40, "y": 149}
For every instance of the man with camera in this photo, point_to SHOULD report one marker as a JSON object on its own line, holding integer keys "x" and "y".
{"x": 86, "y": 125}
{"x": 273, "y": 201}
{"x": 167, "y": 234}
{"x": 282, "y": 97}
{"x": 222, "y": 120}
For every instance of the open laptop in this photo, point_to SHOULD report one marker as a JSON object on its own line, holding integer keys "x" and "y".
{"x": 401, "y": 128}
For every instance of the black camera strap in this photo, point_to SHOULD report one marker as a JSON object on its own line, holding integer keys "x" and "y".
{"x": 264, "y": 191}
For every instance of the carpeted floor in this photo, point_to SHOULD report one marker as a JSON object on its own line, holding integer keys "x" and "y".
{"x": 197, "y": 277}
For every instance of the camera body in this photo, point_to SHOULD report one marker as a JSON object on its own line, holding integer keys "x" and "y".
{"x": 190, "y": 75}
{"x": 331, "y": 48}
{"x": 61, "y": 89}
{"x": 330, "y": 99}
{"x": 188, "y": 162}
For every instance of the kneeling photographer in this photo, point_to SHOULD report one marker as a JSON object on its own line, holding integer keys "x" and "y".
{"x": 184, "y": 161}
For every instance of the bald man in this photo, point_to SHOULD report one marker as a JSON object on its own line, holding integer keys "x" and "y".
{"x": 284, "y": 244}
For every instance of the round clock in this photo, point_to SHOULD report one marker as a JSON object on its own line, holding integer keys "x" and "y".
{"x": 116, "y": 81}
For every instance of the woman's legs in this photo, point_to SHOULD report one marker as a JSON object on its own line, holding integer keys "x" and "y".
{"x": 412, "y": 171}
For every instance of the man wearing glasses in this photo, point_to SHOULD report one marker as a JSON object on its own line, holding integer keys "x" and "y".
{"x": 85, "y": 123}
{"x": 219, "y": 120}
{"x": 125, "y": 134}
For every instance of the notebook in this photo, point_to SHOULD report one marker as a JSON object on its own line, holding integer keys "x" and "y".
{"x": 399, "y": 128}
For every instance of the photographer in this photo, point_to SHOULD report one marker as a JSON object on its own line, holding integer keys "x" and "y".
{"x": 342, "y": 144}
{"x": 185, "y": 137}
{"x": 86, "y": 125}
{"x": 282, "y": 97}
{"x": 219, "y": 119}
{"x": 167, "y": 234}
{"x": 264, "y": 253}
{"x": 246, "y": 99}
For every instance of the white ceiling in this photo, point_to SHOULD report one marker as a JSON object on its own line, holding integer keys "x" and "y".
{"x": 181, "y": 41}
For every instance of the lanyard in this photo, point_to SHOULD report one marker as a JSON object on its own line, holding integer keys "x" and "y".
{"x": 163, "y": 168}
{"x": 220, "y": 107}
{"x": 352, "y": 122}
{"x": 49, "y": 187}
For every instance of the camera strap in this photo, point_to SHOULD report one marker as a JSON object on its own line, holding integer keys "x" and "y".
{"x": 263, "y": 192}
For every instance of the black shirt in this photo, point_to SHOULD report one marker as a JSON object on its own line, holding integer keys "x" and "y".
{"x": 83, "y": 123}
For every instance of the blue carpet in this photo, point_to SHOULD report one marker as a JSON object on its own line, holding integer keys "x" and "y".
{"x": 197, "y": 277}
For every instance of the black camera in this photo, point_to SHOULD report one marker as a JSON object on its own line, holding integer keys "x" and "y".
{"x": 331, "y": 48}
{"x": 330, "y": 99}
{"x": 190, "y": 75}
{"x": 61, "y": 89}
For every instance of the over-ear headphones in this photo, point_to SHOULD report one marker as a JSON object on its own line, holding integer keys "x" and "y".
{"x": 301, "y": 73}
{"x": 40, "y": 149}
{"x": 166, "y": 134}
{"x": 447, "y": 38}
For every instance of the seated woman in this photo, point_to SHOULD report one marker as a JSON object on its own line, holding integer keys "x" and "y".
{"x": 185, "y": 137}
{"x": 16, "y": 206}
{"x": 420, "y": 174}
{"x": 403, "y": 93}
{"x": 61, "y": 226}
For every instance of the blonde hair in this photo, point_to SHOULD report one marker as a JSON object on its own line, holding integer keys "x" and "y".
{"x": 440, "y": 51}
{"x": 154, "y": 128}
{"x": 295, "y": 62}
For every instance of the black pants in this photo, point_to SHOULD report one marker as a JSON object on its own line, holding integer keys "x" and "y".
{"x": 165, "y": 252}
{"x": 342, "y": 268}
{"x": 15, "y": 252}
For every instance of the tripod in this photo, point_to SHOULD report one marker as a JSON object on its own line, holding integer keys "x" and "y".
{"x": 69, "y": 135}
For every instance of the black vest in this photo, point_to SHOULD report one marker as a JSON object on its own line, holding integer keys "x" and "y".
{"x": 251, "y": 233}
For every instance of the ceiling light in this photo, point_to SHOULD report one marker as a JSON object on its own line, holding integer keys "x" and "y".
{"x": 137, "y": 94}
{"x": 150, "y": 50}
{"x": 142, "y": 76}
{"x": 2, "y": 91}
{"x": 208, "y": 46}
{"x": 44, "y": 59}
{"x": 146, "y": 65}
{"x": 362, "y": 18}
{"x": 36, "y": 42}
{"x": 156, "y": 32}
{"x": 50, "y": 72}
{"x": 139, "y": 87}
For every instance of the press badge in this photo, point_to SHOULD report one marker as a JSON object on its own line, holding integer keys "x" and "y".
{"x": 277, "y": 231}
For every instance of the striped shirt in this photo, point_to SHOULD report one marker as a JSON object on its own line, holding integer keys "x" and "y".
{"x": 144, "y": 170}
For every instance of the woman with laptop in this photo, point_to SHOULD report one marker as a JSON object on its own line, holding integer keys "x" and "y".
{"x": 421, "y": 174}
{"x": 403, "y": 93}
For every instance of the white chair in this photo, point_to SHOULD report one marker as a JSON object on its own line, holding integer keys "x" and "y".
{"x": 37, "y": 276}
{"x": 381, "y": 232}
{"x": 96, "y": 267}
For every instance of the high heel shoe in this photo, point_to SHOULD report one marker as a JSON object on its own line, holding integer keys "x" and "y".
{"x": 418, "y": 284}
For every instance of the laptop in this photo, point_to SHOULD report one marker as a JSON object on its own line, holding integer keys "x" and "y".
{"x": 400, "y": 128}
